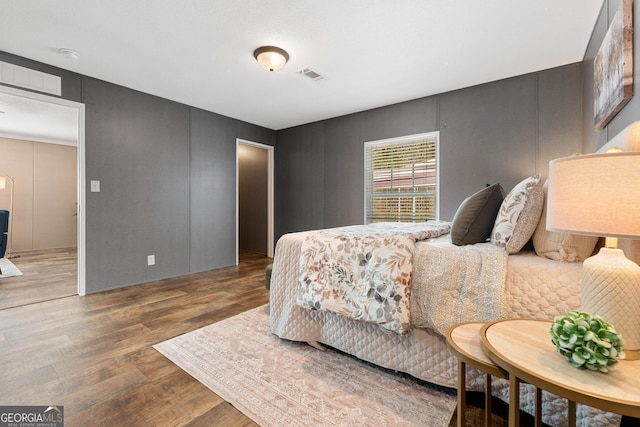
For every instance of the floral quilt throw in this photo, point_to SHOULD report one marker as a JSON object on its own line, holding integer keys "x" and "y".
{"x": 364, "y": 271}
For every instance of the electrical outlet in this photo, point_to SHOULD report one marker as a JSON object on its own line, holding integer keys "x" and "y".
{"x": 151, "y": 260}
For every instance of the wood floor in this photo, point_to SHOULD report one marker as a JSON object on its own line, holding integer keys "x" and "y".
{"x": 46, "y": 274}
{"x": 94, "y": 356}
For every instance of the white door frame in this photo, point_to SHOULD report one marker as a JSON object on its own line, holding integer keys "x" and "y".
{"x": 270, "y": 194}
{"x": 81, "y": 225}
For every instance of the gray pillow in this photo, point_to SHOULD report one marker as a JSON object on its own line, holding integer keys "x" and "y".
{"x": 474, "y": 219}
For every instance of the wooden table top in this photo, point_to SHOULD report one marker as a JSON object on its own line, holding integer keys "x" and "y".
{"x": 465, "y": 342}
{"x": 523, "y": 348}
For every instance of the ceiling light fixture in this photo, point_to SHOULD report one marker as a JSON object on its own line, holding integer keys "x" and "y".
{"x": 69, "y": 53}
{"x": 271, "y": 58}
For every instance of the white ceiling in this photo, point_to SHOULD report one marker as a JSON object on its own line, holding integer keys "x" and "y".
{"x": 33, "y": 120}
{"x": 371, "y": 52}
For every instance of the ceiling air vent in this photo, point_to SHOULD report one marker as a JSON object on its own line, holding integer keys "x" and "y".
{"x": 308, "y": 72}
{"x": 30, "y": 79}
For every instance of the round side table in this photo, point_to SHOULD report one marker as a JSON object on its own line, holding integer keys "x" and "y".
{"x": 465, "y": 342}
{"x": 523, "y": 348}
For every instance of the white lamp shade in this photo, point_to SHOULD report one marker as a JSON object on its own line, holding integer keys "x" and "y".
{"x": 599, "y": 194}
{"x": 596, "y": 194}
{"x": 3, "y": 182}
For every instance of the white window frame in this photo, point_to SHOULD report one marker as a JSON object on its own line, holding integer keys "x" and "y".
{"x": 397, "y": 141}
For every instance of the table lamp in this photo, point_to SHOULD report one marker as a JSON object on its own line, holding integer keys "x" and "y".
{"x": 599, "y": 195}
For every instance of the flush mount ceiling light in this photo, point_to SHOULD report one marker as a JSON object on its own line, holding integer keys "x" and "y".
{"x": 271, "y": 58}
{"x": 69, "y": 53}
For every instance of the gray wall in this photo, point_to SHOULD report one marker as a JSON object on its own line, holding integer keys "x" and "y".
{"x": 631, "y": 112}
{"x": 168, "y": 182}
{"x": 213, "y": 190}
{"x": 137, "y": 146}
{"x": 496, "y": 132}
{"x": 299, "y": 178}
{"x": 253, "y": 174}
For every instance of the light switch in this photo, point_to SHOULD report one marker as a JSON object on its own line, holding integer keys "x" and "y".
{"x": 95, "y": 186}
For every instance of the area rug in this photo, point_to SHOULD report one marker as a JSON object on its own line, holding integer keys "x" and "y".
{"x": 277, "y": 382}
{"x": 7, "y": 269}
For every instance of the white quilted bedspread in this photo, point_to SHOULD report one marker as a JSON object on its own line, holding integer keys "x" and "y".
{"x": 456, "y": 284}
{"x": 540, "y": 288}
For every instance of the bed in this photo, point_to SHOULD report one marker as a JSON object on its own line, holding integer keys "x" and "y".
{"x": 537, "y": 282}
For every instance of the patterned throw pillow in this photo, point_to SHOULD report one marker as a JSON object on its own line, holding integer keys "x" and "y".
{"x": 519, "y": 215}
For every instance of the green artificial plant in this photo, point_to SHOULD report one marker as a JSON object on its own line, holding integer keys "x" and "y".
{"x": 587, "y": 341}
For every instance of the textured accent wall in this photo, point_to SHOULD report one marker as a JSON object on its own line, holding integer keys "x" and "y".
{"x": 213, "y": 191}
{"x": 487, "y": 135}
{"x": 299, "y": 159}
{"x": 168, "y": 182}
{"x": 497, "y": 132}
{"x": 137, "y": 146}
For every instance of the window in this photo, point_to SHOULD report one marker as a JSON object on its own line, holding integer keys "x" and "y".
{"x": 401, "y": 179}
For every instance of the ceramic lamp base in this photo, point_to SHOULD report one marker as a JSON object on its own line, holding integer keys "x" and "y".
{"x": 611, "y": 289}
{"x": 631, "y": 354}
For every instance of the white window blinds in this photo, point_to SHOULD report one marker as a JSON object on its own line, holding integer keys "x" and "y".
{"x": 401, "y": 182}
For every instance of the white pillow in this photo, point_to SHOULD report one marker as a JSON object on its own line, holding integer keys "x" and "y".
{"x": 561, "y": 246}
{"x": 519, "y": 215}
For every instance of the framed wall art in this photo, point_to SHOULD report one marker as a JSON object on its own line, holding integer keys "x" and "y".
{"x": 613, "y": 67}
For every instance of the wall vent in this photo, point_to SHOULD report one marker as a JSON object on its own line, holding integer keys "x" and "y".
{"x": 15, "y": 75}
{"x": 309, "y": 73}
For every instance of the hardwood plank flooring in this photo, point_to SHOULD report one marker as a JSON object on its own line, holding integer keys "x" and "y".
{"x": 46, "y": 274}
{"x": 94, "y": 354}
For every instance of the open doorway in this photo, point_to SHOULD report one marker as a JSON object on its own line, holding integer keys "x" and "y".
{"x": 43, "y": 153}
{"x": 254, "y": 198}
